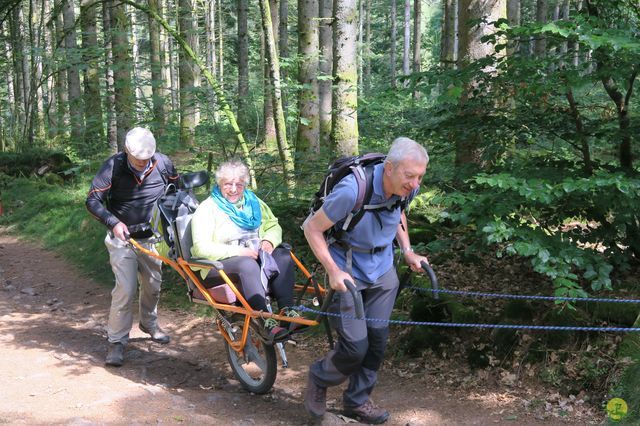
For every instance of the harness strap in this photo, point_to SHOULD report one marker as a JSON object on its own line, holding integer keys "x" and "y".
{"x": 332, "y": 241}
{"x": 344, "y": 246}
{"x": 390, "y": 204}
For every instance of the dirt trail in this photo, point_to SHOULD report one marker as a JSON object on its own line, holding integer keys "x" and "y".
{"x": 52, "y": 347}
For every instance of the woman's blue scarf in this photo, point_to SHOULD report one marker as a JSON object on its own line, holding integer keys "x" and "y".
{"x": 249, "y": 217}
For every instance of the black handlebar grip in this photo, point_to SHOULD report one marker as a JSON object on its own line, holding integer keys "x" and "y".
{"x": 357, "y": 299}
{"x": 432, "y": 277}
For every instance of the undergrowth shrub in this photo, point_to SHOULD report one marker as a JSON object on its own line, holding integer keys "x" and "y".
{"x": 574, "y": 230}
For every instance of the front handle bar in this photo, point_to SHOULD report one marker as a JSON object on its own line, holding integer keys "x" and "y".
{"x": 357, "y": 299}
{"x": 432, "y": 277}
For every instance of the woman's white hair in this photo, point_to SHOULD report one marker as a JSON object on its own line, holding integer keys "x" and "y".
{"x": 230, "y": 169}
{"x": 404, "y": 148}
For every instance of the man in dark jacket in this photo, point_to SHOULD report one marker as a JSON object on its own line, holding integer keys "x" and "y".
{"x": 122, "y": 196}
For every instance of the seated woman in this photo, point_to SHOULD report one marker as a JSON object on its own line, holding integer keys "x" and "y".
{"x": 231, "y": 226}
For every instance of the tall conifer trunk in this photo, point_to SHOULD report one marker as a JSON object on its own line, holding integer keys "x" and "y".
{"x": 344, "y": 131}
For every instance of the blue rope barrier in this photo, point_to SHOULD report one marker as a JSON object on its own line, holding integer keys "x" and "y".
{"x": 516, "y": 296}
{"x": 471, "y": 325}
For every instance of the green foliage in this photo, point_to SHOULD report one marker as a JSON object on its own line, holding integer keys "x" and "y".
{"x": 574, "y": 230}
{"x": 54, "y": 215}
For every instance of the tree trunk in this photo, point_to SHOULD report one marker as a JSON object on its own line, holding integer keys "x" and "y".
{"x": 581, "y": 136}
{"x": 220, "y": 47}
{"x": 392, "y": 43}
{"x": 28, "y": 80}
{"x": 417, "y": 38}
{"x": 360, "y": 53}
{"x": 211, "y": 58}
{"x": 325, "y": 67}
{"x": 172, "y": 53}
{"x": 6, "y": 118}
{"x": 447, "y": 42}
{"x": 122, "y": 66}
{"x": 514, "y": 11}
{"x": 622, "y": 109}
{"x": 91, "y": 60}
{"x": 62, "y": 95}
{"x": 270, "y": 132}
{"x": 188, "y": 74}
{"x": 621, "y": 100}
{"x": 344, "y": 130}
{"x": 76, "y": 114}
{"x": 308, "y": 123}
{"x": 283, "y": 30}
{"x": 109, "y": 99}
{"x": 367, "y": 49}
{"x": 471, "y": 46}
{"x": 137, "y": 78}
{"x": 542, "y": 9}
{"x": 564, "y": 46}
{"x": 19, "y": 73}
{"x": 243, "y": 60}
{"x": 283, "y": 38}
{"x": 50, "y": 107}
{"x": 407, "y": 40}
{"x": 274, "y": 71}
{"x": 37, "y": 84}
{"x": 156, "y": 63}
{"x": 576, "y": 44}
{"x": 472, "y": 49}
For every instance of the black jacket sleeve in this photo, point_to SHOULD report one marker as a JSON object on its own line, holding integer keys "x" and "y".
{"x": 99, "y": 192}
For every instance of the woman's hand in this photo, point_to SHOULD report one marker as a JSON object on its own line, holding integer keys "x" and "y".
{"x": 249, "y": 252}
{"x": 266, "y": 246}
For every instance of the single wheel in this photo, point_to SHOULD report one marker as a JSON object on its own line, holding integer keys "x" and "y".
{"x": 257, "y": 367}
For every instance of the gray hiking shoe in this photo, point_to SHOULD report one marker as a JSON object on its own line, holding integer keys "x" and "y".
{"x": 157, "y": 335}
{"x": 115, "y": 354}
{"x": 368, "y": 413}
{"x": 315, "y": 398}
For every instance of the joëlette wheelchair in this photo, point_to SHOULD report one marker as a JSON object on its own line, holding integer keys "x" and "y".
{"x": 251, "y": 355}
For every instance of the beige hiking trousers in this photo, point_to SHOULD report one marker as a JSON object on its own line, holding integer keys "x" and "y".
{"x": 130, "y": 268}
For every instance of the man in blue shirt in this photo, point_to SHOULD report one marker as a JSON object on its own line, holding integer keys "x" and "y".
{"x": 360, "y": 348}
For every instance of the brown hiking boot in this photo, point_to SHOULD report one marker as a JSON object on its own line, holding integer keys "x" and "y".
{"x": 315, "y": 398}
{"x": 368, "y": 413}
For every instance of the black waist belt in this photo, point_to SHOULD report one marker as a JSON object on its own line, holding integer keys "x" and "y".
{"x": 140, "y": 231}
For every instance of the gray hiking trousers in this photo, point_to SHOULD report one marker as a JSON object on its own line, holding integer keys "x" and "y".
{"x": 130, "y": 268}
{"x": 360, "y": 348}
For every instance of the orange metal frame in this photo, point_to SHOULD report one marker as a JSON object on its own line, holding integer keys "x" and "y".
{"x": 185, "y": 270}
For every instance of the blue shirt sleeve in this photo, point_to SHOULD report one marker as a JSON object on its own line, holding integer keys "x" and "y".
{"x": 341, "y": 201}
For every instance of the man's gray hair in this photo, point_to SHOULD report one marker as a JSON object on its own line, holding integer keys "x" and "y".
{"x": 232, "y": 168}
{"x": 404, "y": 148}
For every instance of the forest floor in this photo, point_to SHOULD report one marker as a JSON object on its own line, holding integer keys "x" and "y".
{"x": 52, "y": 347}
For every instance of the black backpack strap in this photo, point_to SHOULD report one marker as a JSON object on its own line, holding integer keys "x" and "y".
{"x": 364, "y": 178}
{"x": 116, "y": 171}
{"x": 162, "y": 168}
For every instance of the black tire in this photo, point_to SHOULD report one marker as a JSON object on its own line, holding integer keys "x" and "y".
{"x": 257, "y": 368}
